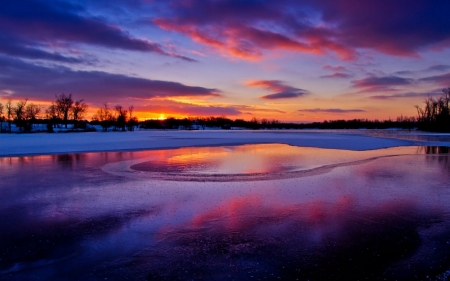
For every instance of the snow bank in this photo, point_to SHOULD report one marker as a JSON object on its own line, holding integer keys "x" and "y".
{"x": 32, "y": 144}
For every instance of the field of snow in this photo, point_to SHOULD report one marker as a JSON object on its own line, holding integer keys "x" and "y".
{"x": 57, "y": 143}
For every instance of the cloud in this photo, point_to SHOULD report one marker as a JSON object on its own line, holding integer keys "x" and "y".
{"x": 257, "y": 109}
{"x": 376, "y": 83}
{"x": 282, "y": 91}
{"x": 179, "y": 108}
{"x": 330, "y": 110}
{"x": 438, "y": 67}
{"x": 433, "y": 68}
{"x": 337, "y": 68}
{"x": 443, "y": 79}
{"x": 53, "y": 22}
{"x": 17, "y": 47}
{"x": 407, "y": 95}
{"x": 337, "y": 75}
{"x": 167, "y": 106}
{"x": 249, "y": 42}
{"x": 245, "y": 29}
{"x": 33, "y": 81}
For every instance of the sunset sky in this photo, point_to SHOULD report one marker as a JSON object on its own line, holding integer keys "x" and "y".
{"x": 292, "y": 60}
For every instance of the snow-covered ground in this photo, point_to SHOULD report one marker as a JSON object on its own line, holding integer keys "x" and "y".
{"x": 32, "y": 144}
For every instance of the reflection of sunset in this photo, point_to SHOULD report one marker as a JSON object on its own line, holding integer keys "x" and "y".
{"x": 277, "y": 226}
{"x": 256, "y": 159}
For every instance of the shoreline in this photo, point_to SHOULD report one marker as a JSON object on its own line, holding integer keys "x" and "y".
{"x": 16, "y": 145}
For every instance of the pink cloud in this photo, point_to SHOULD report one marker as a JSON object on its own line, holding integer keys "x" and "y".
{"x": 245, "y": 30}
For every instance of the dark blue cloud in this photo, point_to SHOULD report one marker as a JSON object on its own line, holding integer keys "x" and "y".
{"x": 27, "y": 80}
{"x": 18, "y": 47}
{"x": 47, "y": 22}
{"x": 284, "y": 95}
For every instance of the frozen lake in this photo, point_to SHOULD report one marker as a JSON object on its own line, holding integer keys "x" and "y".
{"x": 237, "y": 212}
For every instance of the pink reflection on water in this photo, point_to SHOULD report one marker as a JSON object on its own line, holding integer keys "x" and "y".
{"x": 298, "y": 217}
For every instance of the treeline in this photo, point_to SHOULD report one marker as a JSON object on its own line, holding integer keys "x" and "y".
{"x": 64, "y": 110}
{"x": 258, "y": 124}
{"x": 435, "y": 116}
{"x": 120, "y": 118}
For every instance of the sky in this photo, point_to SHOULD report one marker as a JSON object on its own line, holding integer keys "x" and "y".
{"x": 290, "y": 60}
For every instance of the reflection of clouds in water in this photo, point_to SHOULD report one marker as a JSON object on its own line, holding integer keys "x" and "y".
{"x": 351, "y": 222}
{"x": 245, "y": 238}
{"x": 243, "y": 163}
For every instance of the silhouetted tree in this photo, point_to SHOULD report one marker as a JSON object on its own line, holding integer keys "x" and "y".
{"x": 31, "y": 112}
{"x": 51, "y": 114}
{"x": 254, "y": 123}
{"x": 265, "y": 123}
{"x": 78, "y": 110}
{"x": 121, "y": 119}
{"x": 63, "y": 105}
{"x": 9, "y": 113}
{"x": 132, "y": 121}
{"x": 19, "y": 113}
{"x": 104, "y": 116}
{"x": 1, "y": 117}
{"x": 435, "y": 116}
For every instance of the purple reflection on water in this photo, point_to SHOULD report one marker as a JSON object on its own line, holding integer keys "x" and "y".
{"x": 68, "y": 217}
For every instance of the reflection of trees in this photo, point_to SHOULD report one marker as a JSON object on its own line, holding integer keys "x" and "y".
{"x": 68, "y": 160}
{"x": 439, "y": 154}
{"x": 434, "y": 149}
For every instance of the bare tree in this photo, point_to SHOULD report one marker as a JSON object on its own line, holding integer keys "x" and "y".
{"x": 435, "y": 115}
{"x": 63, "y": 105}
{"x": 121, "y": 119}
{"x": 132, "y": 121}
{"x": 51, "y": 113}
{"x": 32, "y": 111}
{"x": 79, "y": 108}
{"x": 9, "y": 113}
{"x": 1, "y": 117}
{"x": 104, "y": 116}
{"x": 19, "y": 113}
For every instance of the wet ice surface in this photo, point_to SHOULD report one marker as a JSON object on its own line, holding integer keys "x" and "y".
{"x": 380, "y": 214}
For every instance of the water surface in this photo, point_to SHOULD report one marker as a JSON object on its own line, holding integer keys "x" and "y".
{"x": 294, "y": 212}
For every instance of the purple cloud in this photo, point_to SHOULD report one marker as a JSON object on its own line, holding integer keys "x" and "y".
{"x": 433, "y": 68}
{"x": 337, "y": 75}
{"x": 16, "y": 47}
{"x": 32, "y": 81}
{"x": 438, "y": 67}
{"x": 407, "y": 95}
{"x": 282, "y": 91}
{"x": 443, "y": 79}
{"x": 375, "y": 83}
{"x": 311, "y": 26}
{"x": 338, "y": 68}
{"x": 45, "y": 22}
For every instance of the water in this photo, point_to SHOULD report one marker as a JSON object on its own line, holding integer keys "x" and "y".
{"x": 245, "y": 212}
